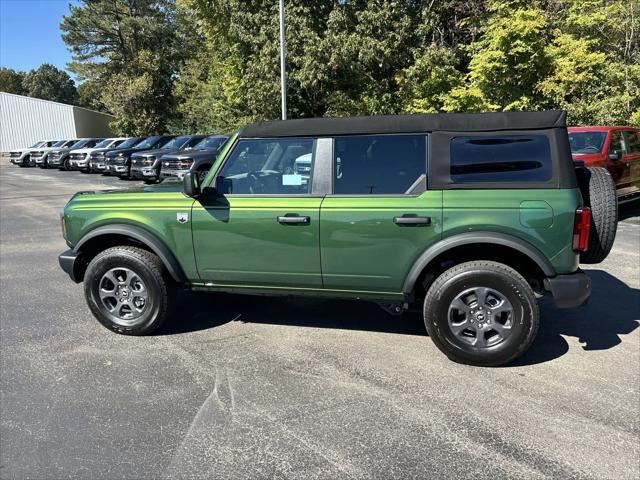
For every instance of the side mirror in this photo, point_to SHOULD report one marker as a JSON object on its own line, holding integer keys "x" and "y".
{"x": 615, "y": 155}
{"x": 191, "y": 184}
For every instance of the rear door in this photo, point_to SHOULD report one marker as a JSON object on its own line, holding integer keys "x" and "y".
{"x": 379, "y": 217}
{"x": 632, "y": 157}
{"x": 620, "y": 169}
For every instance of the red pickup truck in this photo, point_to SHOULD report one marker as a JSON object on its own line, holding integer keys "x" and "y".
{"x": 615, "y": 148}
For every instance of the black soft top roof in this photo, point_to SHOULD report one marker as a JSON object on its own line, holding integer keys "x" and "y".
{"x": 455, "y": 122}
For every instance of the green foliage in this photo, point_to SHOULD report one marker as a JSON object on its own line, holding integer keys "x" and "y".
{"x": 213, "y": 65}
{"x": 131, "y": 51}
{"x": 50, "y": 83}
{"x": 12, "y": 81}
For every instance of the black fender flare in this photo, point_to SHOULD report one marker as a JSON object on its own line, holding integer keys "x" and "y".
{"x": 143, "y": 236}
{"x": 491, "y": 238}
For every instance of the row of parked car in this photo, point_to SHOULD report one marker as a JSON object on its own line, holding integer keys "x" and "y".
{"x": 151, "y": 159}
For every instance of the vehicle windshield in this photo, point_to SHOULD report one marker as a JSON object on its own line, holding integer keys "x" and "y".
{"x": 129, "y": 142}
{"x": 104, "y": 143}
{"x": 586, "y": 142}
{"x": 70, "y": 143}
{"x": 176, "y": 143}
{"x": 210, "y": 142}
{"x": 59, "y": 144}
{"x": 37, "y": 144}
{"x": 79, "y": 144}
{"x": 148, "y": 142}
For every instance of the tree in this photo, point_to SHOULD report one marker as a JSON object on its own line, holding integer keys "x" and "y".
{"x": 12, "y": 81}
{"x": 50, "y": 83}
{"x": 131, "y": 51}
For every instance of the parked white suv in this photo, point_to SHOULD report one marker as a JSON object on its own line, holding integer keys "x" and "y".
{"x": 22, "y": 156}
{"x": 40, "y": 155}
{"x": 79, "y": 159}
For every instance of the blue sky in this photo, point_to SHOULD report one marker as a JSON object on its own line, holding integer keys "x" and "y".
{"x": 30, "y": 33}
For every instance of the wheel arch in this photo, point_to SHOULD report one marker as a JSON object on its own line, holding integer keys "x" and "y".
{"x": 122, "y": 234}
{"x": 468, "y": 245}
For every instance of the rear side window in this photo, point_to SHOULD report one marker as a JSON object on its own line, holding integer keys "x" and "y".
{"x": 370, "y": 165}
{"x": 501, "y": 158}
{"x": 632, "y": 140}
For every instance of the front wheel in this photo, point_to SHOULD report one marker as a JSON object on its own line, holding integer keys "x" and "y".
{"x": 481, "y": 313}
{"x": 128, "y": 290}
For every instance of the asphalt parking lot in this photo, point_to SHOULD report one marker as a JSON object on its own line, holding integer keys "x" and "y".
{"x": 253, "y": 387}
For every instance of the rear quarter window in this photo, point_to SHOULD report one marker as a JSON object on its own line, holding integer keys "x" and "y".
{"x": 500, "y": 158}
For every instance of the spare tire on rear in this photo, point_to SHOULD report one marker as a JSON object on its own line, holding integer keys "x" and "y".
{"x": 599, "y": 193}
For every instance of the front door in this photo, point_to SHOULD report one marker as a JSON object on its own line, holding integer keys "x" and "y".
{"x": 380, "y": 217}
{"x": 262, "y": 229}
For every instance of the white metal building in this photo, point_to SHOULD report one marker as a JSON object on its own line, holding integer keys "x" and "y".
{"x": 26, "y": 120}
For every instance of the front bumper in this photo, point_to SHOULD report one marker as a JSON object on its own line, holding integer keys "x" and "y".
{"x": 144, "y": 172}
{"x": 39, "y": 160}
{"x": 69, "y": 263}
{"x": 118, "y": 169}
{"x": 173, "y": 173}
{"x": 79, "y": 164}
{"x": 571, "y": 290}
{"x": 55, "y": 162}
{"x": 16, "y": 160}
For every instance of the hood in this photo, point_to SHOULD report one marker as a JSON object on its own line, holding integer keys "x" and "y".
{"x": 125, "y": 151}
{"x": 43, "y": 149}
{"x": 194, "y": 154}
{"x": 85, "y": 150}
{"x": 164, "y": 187}
{"x": 158, "y": 152}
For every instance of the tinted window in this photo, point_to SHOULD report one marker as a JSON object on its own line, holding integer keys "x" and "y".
{"x": 586, "y": 142}
{"x": 268, "y": 166}
{"x": 632, "y": 141}
{"x": 369, "y": 165}
{"x": 513, "y": 158}
{"x": 129, "y": 142}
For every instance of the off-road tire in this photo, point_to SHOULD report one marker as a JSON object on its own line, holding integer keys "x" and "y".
{"x": 160, "y": 286}
{"x": 525, "y": 316}
{"x": 25, "y": 161}
{"x": 599, "y": 193}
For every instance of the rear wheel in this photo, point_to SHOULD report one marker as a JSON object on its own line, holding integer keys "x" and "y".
{"x": 128, "y": 290}
{"x": 599, "y": 193}
{"x": 481, "y": 313}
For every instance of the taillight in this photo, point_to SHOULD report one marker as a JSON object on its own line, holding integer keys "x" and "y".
{"x": 581, "y": 227}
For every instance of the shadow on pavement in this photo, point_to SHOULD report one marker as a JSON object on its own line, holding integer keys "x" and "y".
{"x": 612, "y": 310}
{"x": 630, "y": 210}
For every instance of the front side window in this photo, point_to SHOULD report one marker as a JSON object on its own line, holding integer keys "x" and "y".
{"x": 381, "y": 164}
{"x": 268, "y": 167}
{"x": 503, "y": 158}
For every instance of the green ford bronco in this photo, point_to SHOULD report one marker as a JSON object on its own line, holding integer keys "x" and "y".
{"x": 469, "y": 217}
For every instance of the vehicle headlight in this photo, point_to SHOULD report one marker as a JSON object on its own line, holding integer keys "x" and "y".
{"x": 185, "y": 163}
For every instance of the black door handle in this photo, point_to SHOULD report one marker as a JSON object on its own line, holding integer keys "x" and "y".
{"x": 407, "y": 220}
{"x": 296, "y": 220}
